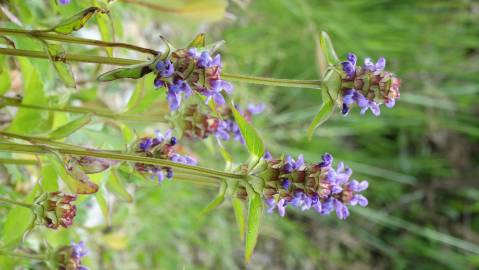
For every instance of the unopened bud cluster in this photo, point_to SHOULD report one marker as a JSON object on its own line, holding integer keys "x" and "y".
{"x": 368, "y": 86}
{"x": 55, "y": 209}
{"x": 199, "y": 124}
{"x": 311, "y": 186}
{"x": 190, "y": 70}
{"x": 69, "y": 257}
{"x": 161, "y": 147}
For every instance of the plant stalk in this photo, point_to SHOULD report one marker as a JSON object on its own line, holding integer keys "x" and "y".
{"x": 23, "y": 255}
{"x": 195, "y": 170}
{"x": 312, "y": 84}
{"x": 77, "y": 40}
{"x": 18, "y": 161}
{"x": 5, "y": 200}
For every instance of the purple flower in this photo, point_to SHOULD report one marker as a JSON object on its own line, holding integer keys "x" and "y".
{"x": 286, "y": 183}
{"x": 145, "y": 144}
{"x": 215, "y": 91}
{"x": 174, "y": 93}
{"x": 267, "y": 155}
{"x": 349, "y": 66}
{"x": 374, "y": 67}
{"x": 223, "y": 131}
{"x": 64, "y": 2}
{"x": 373, "y": 106}
{"x": 165, "y": 68}
{"x": 341, "y": 210}
{"x": 256, "y": 108}
{"x": 280, "y": 205}
{"x": 327, "y": 159}
{"x": 291, "y": 164}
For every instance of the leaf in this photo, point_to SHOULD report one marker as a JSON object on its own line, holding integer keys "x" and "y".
{"x": 56, "y": 54}
{"x": 76, "y": 180}
{"x": 131, "y": 72}
{"x": 103, "y": 204}
{"x": 226, "y": 155}
{"x": 136, "y": 96}
{"x": 328, "y": 49}
{"x": 255, "y": 213}
{"x": 118, "y": 187}
{"x": 70, "y": 127}
{"x": 238, "y": 206}
{"x": 5, "y": 80}
{"x": 17, "y": 222}
{"x": 75, "y": 22}
{"x": 324, "y": 113}
{"x": 7, "y": 41}
{"x": 30, "y": 121}
{"x": 49, "y": 181}
{"x": 254, "y": 143}
{"x": 105, "y": 25}
{"x": 198, "y": 42}
{"x": 320, "y": 58}
{"x": 219, "y": 199}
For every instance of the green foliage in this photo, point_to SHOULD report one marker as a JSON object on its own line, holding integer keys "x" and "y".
{"x": 255, "y": 213}
{"x": 254, "y": 143}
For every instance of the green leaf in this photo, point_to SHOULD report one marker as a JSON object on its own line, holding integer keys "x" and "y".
{"x": 198, "y": 42}
{"x": 70, "y": 127}
{"x": 56, "y": 54}
{"x": 254, "y": 143}
{"x": 136, "y": 96}
{"x": 131, "y": 72}
{"x": 17, "y": 222}
{"x": 29, "y": 121}
{"x": 5, "y": 80}
{"x": 49, "y": 181}
{"x": 103, "y": 204}
{"x": 324, "y": 113}
{"x": 219, "y": 199}
{"x": 321, "y": 61}
{"x": 255, "y": 213}
{"x": 105, "y": 25}
{"x": 116, "y": 185}
{"x": 75, "y": 22}
{"x": 328, "y": 49}
{"x": 238, "y": 206}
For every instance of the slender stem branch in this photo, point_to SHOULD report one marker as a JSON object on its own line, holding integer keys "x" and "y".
{"x": 41, "y": 149}
{"x": 153, "y": 6}
{"x": 77, "y": 40}
{"x": 40, "y": 140}
{"x": 5, "y": 200}
{"x": 73, "y": 57}
{"x": 14, "y": 102}
{"x": 18, "y": 161}
{"x": 23, "y": 255}
{"x": 313, "y": 84}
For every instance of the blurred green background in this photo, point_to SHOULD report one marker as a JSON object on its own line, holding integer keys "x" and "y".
{"x": 421, "y": 157}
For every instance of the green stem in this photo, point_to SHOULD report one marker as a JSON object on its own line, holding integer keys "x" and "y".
{"x": 23, "y": 255}
{"x": 153, "y": 6}
{"x": 41, "y": 149}
{"x": 77, "y": 40}
{"x": 26, "y": 205}
{"x": 14, "y": 102}
{"x": 18, "y": 161}
{"x": 40, "y": 140}
{"x": 313, "y": 84}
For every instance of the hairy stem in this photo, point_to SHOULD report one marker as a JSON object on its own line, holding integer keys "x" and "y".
{"x": 313, "y": 84}
{"x": 14, "y": 102}
{"x": 70, "y": 39}
{"x": 5, "y": 200}
{"x": 24, "y": 255}
{"x": 195, "y": 170}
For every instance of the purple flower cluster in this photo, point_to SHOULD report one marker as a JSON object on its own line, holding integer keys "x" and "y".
{"x": 69, "y": 257}
{"x": 368, "y": 86}
{"x": 162, "y": 147}
{"x": 228, "y": 127}
{"x": 64, "y": 2}
{"x": 188, "y": 71}
{"x": 312, "y": 186}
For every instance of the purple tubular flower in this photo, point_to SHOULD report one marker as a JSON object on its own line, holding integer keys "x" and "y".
{"x": 349, "y": 66}
{"x": 174, "y": 93}
{"x": 286, "y": 183}
{"x": 282, "y": 207}
{"x": 373, "y": 106}
{"x": 267, "y": 155}
{"x": 204, "y": 60}
{"x": 374, "y": 67}
{"x": 223, "y": 131}
{"x": 165, "y": 68}
{"x": 327, "y": 159}
{"x": 64, "y": 2}
{"x": 256, "y": 108}
{"x": 145, "y": 144}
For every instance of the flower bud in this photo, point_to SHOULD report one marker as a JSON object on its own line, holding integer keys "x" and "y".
{"x": 368, "y": 86}
{"x": 55, "y": 209}
{"x": 69, "y": 257}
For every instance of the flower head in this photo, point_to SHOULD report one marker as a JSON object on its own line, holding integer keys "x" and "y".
{"x": 368, "y": 86}
{"x": 69, "y": 257}
{"x": 161, "y": 146}
{"x": 55, "y": 209}
{"x": 190, "y": 70}
{"x": 64, "y": 2}
{"x": 305, "y": 186}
